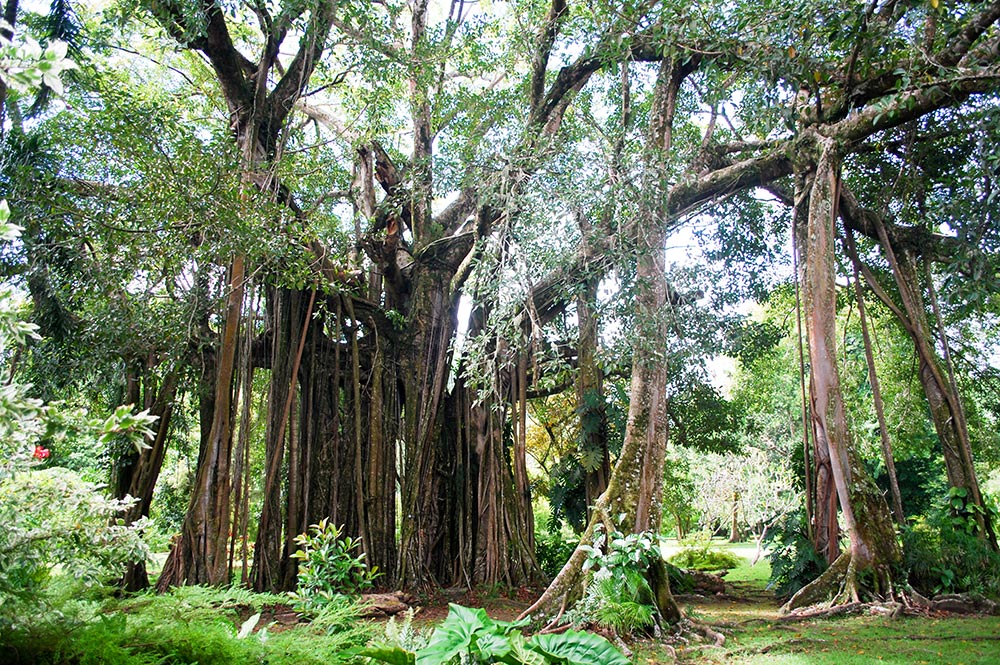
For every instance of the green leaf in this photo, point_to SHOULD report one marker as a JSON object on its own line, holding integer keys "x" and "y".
{"x": 455, "y": 634}
{"x": 578, "y": 648}
{"x": 391, "y": 655}
{"x": 492, "y": 646}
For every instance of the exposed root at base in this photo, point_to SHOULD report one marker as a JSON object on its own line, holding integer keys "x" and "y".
{"x": 904, "y": 603}
{"x": 839, "y": 585}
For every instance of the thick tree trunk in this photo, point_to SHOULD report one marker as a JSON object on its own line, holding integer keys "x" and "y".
{"x": 501, "y": 518}
{"x": 199, "y": 556}
{"x": 138, "y": 477}
{"x": 873, "y": 545}
{"x": 590, "y": 399}
{"x": 824, "y": 526}
{"x": 425, "y": 555}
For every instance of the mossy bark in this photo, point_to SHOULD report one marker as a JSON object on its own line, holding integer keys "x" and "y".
{"x": 873, "y": 544}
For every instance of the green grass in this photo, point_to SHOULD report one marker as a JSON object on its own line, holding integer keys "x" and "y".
{"x": 755, "y": 575}
{"x": 858, "y": 640}
{"x": 748, "y": 617}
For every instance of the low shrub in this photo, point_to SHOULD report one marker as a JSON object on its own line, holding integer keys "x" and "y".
{"x": 329, "y": 567}
{"x": 469, "y": 635}
{"x": 553, "y": 550}
{"x": 794, "y": 561}
{"x": 943, "y": 552}
{"x": 697, "y": 553}
{"x": 618, "y": 596}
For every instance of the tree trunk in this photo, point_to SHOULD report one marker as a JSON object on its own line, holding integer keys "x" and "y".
{"x": 199, "y": 556}
{"x": 501, "y": 519}
{"x": 824, "y": 527}
{"x": 138, "y": 478}
{"x": 382, "y": 429}
{"x": 734, "y": 529}
{"x": 591, "y": 406}
{"x": 873, "y": 545}
{"x": 425, "y": 556}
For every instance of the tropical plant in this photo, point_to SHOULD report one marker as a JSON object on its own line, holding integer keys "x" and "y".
{"x": 619, "y": 596}
{"x": 944, "y": 554}
{"x": 469, "y": 635}
{"x": 794, "y": 560}
{"x": 329, "y": 566}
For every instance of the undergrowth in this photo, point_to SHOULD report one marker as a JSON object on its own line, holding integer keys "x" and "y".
{"x": 698, "y": 553}
{"x": 189, "y": 625}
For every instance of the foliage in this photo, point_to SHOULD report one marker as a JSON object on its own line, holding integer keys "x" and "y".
{"x": 187, "y": 625}
{"x": 553, "y": 550}
{"x": 54, "y": 522}
{"x": 943, "y": 552}
{"x": 703, "y": 419}
{"x": 469, "y": 635}
{"x": 794, "y": 560}
{"x": 53, "y": 518}
{"x": 697, "y": 553}
{"x": 619, "y": 596}
{"x": 329, "y": 567}
{"x": 28, "y": 66}
{"x": 404, "y": 634}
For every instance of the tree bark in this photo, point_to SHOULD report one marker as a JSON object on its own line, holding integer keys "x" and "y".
{"x": 824, "y": 527}
{"x": 873, "y": 544}
{"x": 590, "y": 398}
{"x": 199, "y": 557}
{"x": 887, "y": 456}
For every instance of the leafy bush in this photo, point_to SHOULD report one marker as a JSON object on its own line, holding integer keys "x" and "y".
{"x": 618, "y": 597}
{"x": 699, "y": 554}
{"x": 329, "y": 567}
{"x": 52, "y": 519}
{"x": 553, "y": 550}
{"x": 794, "y": 561}
{"x": 469, "y": 635}
{"x": 944, "y": 554}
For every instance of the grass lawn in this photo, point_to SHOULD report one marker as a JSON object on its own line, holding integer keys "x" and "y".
{"x": 748, "y": 615}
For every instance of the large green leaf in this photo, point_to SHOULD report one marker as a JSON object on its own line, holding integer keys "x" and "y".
{"x": 521, "y": 653}
{"x": 578, "y": 648}
{"x": 454, "y": 635}
{"x": 491, "y": 646}
{"x": 391, "y": 655}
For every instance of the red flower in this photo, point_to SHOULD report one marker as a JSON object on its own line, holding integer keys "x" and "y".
{"x": 41, "y": 452}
